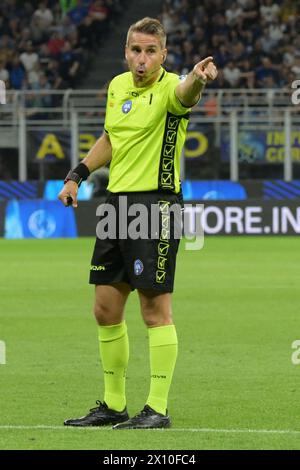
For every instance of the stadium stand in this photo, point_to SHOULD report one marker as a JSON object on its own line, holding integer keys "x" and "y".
{"x": 50, "y": 44}
{"x": 255, "y": 43}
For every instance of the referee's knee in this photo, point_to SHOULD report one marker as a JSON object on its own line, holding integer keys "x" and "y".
{"x": 154, "y": 318}
{"x": 105, "y": 315}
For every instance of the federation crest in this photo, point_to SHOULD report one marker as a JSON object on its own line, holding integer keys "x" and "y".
{"x": 138, "y": 267}
{"x": 127, "y": 106}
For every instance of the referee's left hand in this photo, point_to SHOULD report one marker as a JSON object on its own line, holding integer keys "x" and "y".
{"x": 206, "y": 70}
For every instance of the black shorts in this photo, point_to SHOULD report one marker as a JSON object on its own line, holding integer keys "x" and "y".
{"x": 146, "y": 258}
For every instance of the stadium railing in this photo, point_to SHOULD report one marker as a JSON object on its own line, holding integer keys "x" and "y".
{"x": 224, "y": 111}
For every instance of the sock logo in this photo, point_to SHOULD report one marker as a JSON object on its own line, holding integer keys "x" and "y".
{"x": 154, "y": 376}
{"x": 109, "y": 372}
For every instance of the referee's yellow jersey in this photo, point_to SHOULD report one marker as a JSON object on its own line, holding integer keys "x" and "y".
{"x": 147, "y": 128}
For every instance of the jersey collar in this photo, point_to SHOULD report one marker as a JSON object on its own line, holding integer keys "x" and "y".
{"x": 159, "y": 79}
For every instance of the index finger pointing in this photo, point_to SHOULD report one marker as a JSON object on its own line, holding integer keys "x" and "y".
{"x": 205, "y": 62}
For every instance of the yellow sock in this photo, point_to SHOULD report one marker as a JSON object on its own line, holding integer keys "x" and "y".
{"x": 163, "y": 353}
{"x": 114, "y": 354}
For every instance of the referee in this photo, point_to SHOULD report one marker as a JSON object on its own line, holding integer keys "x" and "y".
{"x": 145, "y": 126}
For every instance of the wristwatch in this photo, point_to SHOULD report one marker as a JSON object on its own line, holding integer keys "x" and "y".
{"x": 72, "y": 176}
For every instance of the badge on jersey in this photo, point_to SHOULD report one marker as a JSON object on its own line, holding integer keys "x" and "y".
{"x": 138, "y": 267}
{"x": 127, "y": 106}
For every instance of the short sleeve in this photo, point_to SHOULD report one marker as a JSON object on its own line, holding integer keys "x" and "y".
{"x": 174, "y": 105}
{"x": 107, "y": 109}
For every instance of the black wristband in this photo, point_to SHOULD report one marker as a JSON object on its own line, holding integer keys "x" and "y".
{"x": 79, "y": 174}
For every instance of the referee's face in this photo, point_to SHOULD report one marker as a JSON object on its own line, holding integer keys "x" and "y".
{"x": 144, "y": 56}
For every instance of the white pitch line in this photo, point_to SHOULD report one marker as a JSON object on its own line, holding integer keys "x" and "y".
{"x": 203, "y": 430}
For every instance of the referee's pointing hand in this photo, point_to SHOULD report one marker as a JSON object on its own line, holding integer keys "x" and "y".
{"x": 206, "y": 70}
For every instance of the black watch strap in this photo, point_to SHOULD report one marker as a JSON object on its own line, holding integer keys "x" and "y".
{"x": 72, "y": 176}
{"x": 78, "y": 174}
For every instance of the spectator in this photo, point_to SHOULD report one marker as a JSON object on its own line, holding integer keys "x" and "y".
{"x": 86, "y": 33}
{"x": 222, "y": 56}
{"x": 247, "y": 74}
{"x": 266, "y": 69}
{"x": 7, "y": 46}
{"x": 24, "y": 38}
{"x": 53, "y": 75}
{"x": 269, "y": 82}
{"x": 269, "y": 11}
{"x": 33, "y": 76}
{"x": 267, "y": 42}
{"x": 232, "y": 74}
{"x": 276, "y": 31}
{"x": 78, "y": 12}
{"x": 233, "y": 14}
{"x": 250, "y": 14}
{"x": 69, "y": 64}
{"x": 29, "y": 58}
{"x": 56, "y": 44}
{"x": 37, "y": 32}
{"x": 17, "y": 73}
{"x": 44, "y": 15}
{"x": 98, "y": 12}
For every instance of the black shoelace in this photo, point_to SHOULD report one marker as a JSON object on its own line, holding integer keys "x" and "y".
{"x": 145, "y": 412}
{"x": 99, "y": 407}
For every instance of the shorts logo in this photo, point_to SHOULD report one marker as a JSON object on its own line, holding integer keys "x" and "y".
{"x": 100, "y": 267}
{"x": 127, "y": 106}
{"x": 138, "y": 267}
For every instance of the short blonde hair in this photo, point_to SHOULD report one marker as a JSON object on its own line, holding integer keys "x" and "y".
{"x": 149, "y": 25}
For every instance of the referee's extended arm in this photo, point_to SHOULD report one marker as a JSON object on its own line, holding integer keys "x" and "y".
{"x": 98, "y": 156}
{"x": 189, "y": 91}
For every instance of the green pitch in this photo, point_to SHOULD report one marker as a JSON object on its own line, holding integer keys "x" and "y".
{"x": 236, "y": 307}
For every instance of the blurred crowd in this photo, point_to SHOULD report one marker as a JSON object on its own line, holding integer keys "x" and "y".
{"x": 255, "y": 43}
{"x": 48, "y": 45}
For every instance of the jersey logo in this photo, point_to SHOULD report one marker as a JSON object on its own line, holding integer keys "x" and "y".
{"x": 138, "y": 267}
{"x": 127, "y": 106}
